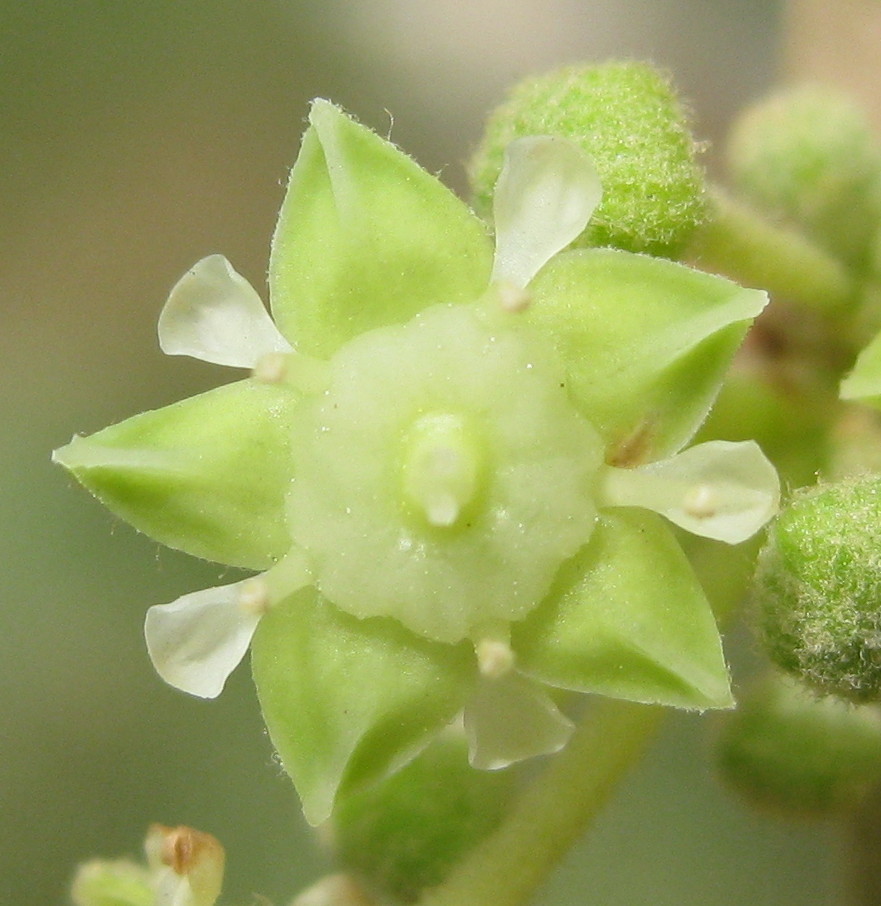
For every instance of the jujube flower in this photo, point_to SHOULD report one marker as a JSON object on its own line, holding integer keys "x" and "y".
{"x": 443, "y": 464}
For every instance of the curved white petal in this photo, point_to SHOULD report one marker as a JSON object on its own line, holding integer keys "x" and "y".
{"x": 512, "y": 718}
{"x": 215, "y": 315}
{"x": 544, "y": 197}
{"x": 198, "y": 640}
{"x": 721, "y": 490}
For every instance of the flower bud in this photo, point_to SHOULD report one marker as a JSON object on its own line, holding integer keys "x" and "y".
{"x": 629, "y": 121}
{"x": 807, "y": 156}
{"x": 406, "y": 833}
{"x": 818, "y": 587}
{"x": 787, "y": 749}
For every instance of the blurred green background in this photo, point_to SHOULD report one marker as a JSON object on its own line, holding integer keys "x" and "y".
{"x": 137, "y": 138}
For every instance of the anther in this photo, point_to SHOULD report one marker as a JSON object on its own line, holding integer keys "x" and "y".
{"x": 512, "y": 298}
{"x": 700, "y": 501}
{"x": 271, "y": 368}
{"x": 302, "y": 372}
{"x": 495, "y": 658}
{"x": 254, "y": 597}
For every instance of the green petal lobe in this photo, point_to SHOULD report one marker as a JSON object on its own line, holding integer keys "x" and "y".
{"x": 627, "y": 618}
{"x": 646, "y": 343}
{"x": 207, "y": 475}
{"x": 366, "y": 238}
{"x": 349, "y": 701}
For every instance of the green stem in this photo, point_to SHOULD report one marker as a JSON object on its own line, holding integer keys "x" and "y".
{"x": 741, "y": 243}
{"x": 507, "y": 867}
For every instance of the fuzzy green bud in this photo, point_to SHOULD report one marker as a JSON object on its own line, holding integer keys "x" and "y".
{"x": 406, "y": 833}
{"x": 808, "y": 157}
{"x": 789, "y": 750}
{"x": 818, "y": 586}
{"x": 628, "y": 119}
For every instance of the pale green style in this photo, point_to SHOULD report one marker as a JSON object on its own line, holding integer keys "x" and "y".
{"x": 443, "y": 463}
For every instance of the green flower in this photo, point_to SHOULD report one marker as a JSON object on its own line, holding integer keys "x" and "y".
{"x": 447, "y": 465}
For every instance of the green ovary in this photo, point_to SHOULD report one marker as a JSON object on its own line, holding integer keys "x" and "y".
{"x": 444, "y": 476}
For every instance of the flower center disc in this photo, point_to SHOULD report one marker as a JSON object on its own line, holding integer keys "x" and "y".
{"x": 443, "y": 477}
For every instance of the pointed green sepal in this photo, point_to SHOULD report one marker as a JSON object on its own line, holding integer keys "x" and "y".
{"x": 864, "y": 382}
{"x": 207, "y": 475}
{"x": 349, "y": 701}
{"x": 627, "y": 618}
{"x": 366, "y": 238}
{"x": 646, "y": 343}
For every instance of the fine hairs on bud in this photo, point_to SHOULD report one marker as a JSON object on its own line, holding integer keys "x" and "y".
{"x": 818, "y": 587}
{"x": 627, "y": 118}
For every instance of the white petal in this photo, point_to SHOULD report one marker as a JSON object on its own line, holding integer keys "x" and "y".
{"x": 511, "y": 718}
{"x": 198, "y": 640}
{"x": 721, "y": 490}
{"x": 545, "y": 195}
{"x": 215, "y": 315}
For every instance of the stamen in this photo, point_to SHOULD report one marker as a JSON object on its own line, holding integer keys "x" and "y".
{"x": 495, "y": 658}
{"x": 721, "y": 490}
{"x": 512, "y": 298}
{"x": 700, "y": 501}
{"x": 301, "y": 372}
{"x": 271, "y": 368}
{"x": 254, "y": 597}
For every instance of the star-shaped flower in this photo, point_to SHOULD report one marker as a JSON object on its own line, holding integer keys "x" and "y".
{"x": 445, "y": 464}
